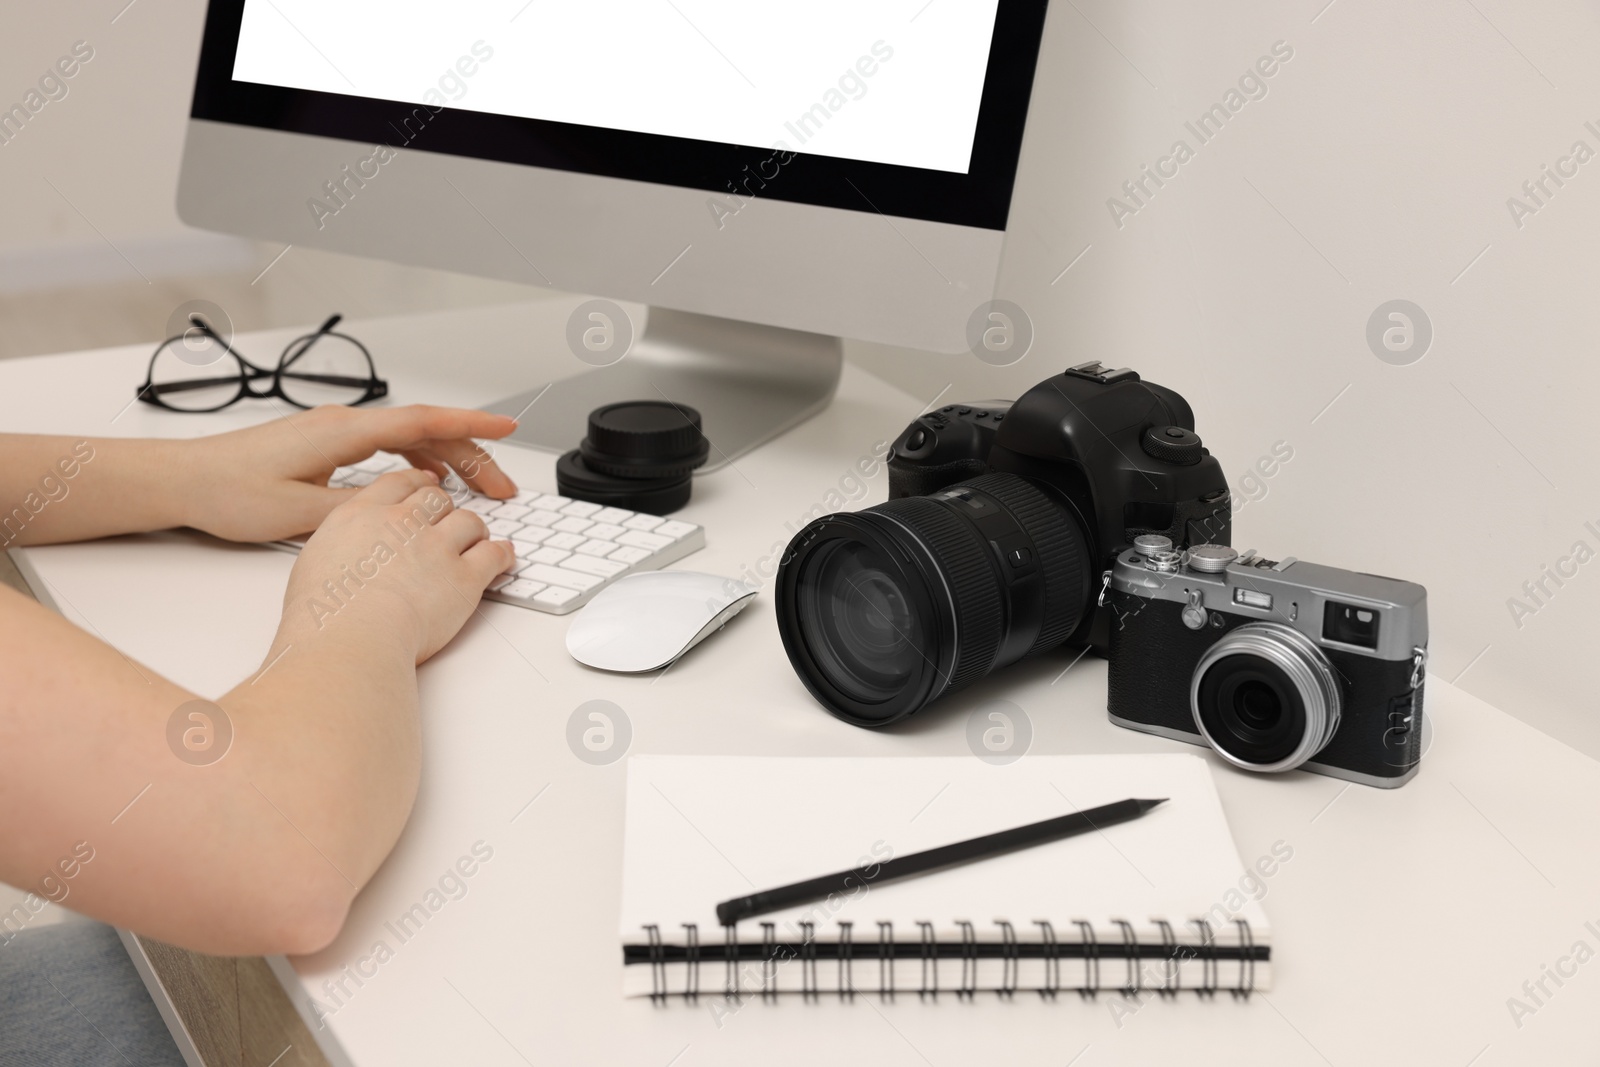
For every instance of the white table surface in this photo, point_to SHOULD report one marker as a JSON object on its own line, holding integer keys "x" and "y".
{"x": 1401, "y": 926}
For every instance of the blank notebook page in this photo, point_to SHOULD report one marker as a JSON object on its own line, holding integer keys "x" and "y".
{"x": 1114, "y": 908}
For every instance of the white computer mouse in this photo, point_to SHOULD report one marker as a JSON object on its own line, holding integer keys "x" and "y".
{"x": 645, "y": 621}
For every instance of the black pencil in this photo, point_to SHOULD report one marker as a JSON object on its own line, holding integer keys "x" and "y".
{"x": 852, "y": 881}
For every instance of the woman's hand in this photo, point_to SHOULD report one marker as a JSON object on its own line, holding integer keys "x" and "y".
{"x": 396, "y": 564}
{"x": 327, "y": 742}
{"x": 271, "y": 481}
{"x": 325, "y": 737}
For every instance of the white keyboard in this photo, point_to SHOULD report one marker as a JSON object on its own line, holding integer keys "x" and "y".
{"x": 567, "y": 550}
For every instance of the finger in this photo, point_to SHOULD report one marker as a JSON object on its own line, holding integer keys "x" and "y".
{"x": 395, "y": 486}
{"x": 429, "y": 503}
{"x": 486, "y": 560}
{"x": 461, "y": 530}
{"x": 400, "y": 429}
{"x": 476, "y": 467}
{"x": 425, "y": 461}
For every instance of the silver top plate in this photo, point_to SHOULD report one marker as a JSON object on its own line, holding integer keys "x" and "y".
{"x": 1293, "y": 593}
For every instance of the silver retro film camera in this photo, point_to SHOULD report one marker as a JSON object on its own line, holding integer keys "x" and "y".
{"x": 1275, "y": 664}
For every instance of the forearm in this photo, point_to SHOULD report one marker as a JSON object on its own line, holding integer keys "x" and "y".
{"x": 255, "y": 848}
{"x": 259, "y": 846}
{"x": 330, "y": 733}
{"x": 55, "y": 489}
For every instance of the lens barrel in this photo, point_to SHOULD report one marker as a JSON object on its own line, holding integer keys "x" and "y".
{"x": 883, "y": 611}
{"x": 1265, "y": 697}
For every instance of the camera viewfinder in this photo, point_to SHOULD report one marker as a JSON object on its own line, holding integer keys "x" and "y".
{"x": 1350, "y": 625}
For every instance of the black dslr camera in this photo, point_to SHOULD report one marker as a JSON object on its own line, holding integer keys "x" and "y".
{"x": 1275, "y": 664}
{"x": 1000, "y": 521}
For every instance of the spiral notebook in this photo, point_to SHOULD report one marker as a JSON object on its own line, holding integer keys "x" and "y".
{"x": 1153, "y": 904}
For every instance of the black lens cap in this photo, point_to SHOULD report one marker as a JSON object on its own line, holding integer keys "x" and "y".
{"x": 654, "y": 496}
{"x": 646, "y": 439}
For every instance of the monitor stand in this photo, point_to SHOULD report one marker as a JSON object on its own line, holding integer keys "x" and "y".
{"x": 750, "y": 383}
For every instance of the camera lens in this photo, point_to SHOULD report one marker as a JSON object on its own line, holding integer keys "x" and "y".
{"x": 1265, "y": 697}
{"x": 860, "y": 621}
{"x": 884, "y": 610}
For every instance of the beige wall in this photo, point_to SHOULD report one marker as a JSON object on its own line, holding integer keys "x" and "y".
{"x": 1377, "y": 167}
{"x": 88, "y": 214}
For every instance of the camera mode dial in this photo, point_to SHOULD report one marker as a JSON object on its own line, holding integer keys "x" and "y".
{"x": 1211, "y": 559}
{"x": 1173, "y": 444}
{"x": 1149, "y": 544}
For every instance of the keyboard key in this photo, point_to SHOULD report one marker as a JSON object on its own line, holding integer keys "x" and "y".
{"x": 566, "y": 550}
{"x": 523, "y": 588}
{"x": 531, "y": 535}
{"x": 555, "y": 597}
{"x": 604, "y": 568}
{"x": 561, "y": 576}
{"x": 640, "y": 539}
{"x": 675, "y": 530}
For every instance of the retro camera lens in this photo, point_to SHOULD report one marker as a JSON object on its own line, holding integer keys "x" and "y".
{"x": 883, "y": 611}
{"x": 1265, "y": 697}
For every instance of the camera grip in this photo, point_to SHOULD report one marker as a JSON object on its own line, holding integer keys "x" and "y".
{"x": 1152, "y": 658}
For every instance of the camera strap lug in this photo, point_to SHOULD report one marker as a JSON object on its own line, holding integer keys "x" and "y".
{"x": 1105, "y": 584}
{"x": 1419, "y": 666}
{"x": 1194, "y": 613}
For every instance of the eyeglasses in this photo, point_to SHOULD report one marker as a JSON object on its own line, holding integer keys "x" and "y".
{"x": 199, "y": 371}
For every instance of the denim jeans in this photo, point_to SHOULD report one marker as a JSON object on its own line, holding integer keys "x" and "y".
{"x": 69, "y": 997}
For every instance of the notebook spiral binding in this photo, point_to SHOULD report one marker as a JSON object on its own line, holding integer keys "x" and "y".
{"x": 885, "y": 957}
{"x": 1247, "y": 938}
{"x": 1013, "y": 961}
{"x": 1208, "y": 958}
{"x": 691, "y": 940}
{"x": 658, "y": 963}
{"x": 1091, "y": 957}
{"x": 969, "y": 960}
{"x": 930, "y": 961}
{"x": 1049, "y": 949}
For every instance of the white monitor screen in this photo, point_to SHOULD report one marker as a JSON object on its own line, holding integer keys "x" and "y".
{"x": 881, "y": 81}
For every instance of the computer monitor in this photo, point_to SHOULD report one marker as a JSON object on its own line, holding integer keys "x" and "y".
{"x": 767, "y": 177}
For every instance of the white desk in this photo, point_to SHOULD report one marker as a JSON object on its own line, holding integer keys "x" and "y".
{"x": 1401, "y": 926}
